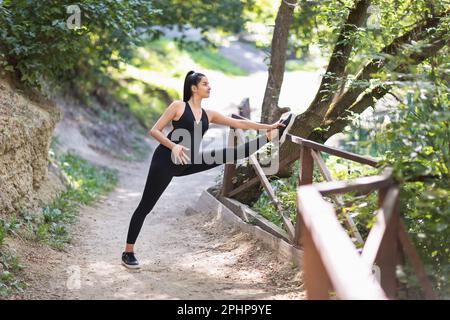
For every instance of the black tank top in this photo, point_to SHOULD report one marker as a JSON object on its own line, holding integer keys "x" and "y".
{"x": 187, "y": 131}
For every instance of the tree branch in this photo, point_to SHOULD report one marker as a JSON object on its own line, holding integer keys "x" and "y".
{"x": 337, "y": 120}
{"x": 339, "y": 123}
{"x": 339, "y": 58}
{"x": 419, "y": 33}
{"x": 270, "y": 111}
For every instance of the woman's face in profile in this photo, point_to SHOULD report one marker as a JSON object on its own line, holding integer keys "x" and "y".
{"x": 202, "y": 89}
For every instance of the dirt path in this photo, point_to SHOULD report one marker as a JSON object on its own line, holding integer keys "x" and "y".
{"x": 182, "y": 256}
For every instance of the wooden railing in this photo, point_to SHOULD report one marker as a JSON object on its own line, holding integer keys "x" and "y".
{"x": 332, "y": 263}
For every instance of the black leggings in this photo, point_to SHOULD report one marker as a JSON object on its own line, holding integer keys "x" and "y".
{"x": 162, "y": 170}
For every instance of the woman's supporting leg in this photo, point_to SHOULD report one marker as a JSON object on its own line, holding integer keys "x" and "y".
{"x": 159, "y": 177}
{"x": 224, "y": 155}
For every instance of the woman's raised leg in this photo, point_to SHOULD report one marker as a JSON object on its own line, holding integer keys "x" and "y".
{"x": 209, "y": 159}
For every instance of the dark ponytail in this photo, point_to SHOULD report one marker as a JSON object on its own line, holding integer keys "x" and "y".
{"x": 192, "y": 78}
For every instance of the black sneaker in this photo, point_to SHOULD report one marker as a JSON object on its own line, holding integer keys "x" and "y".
{"x": 288, "y": 120}
{"x": 129, "y": 260}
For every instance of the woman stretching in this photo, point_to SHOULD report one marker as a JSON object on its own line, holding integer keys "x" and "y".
{"x": 173, "y": 156}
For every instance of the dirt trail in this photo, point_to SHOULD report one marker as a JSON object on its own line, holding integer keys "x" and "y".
{"x": 182, "y": 256}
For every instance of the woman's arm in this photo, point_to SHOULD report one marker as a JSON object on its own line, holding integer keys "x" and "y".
{"x": 217, "y": 117}
{"x": 168, "y": 115}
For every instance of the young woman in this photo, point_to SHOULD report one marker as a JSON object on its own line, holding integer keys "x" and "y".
{"x": 173, "y": 156}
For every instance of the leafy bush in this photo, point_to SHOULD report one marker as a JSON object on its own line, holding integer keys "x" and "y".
{"x": 86, "y": 183}
{"x": 415, "y": 142}
{"x": 9, "y": 263}
{"x": 36, "y": 41}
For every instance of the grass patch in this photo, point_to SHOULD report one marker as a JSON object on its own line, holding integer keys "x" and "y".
{"x": 9, "y": 268}
{"x": 210, "y": 58}
{"x": 86, "y": 183}
{"x": 9, "y": 262}
{"x": 163, "y": 55}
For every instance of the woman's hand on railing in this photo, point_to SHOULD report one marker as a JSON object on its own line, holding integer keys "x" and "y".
{"x": 276, "y": 125}
{"x": 271, "y": 133}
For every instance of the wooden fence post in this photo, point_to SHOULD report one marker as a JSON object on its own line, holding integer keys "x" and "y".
{"x": 305, "y": 175}
{"x": 230, "y": 168}
{"x": 388, "y": 253}
{"x": 316, "y": 278}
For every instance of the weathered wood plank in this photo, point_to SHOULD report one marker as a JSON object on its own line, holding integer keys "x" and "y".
{"x": 305, "y": 177}
{"x": 252, "y": 217}
{"x": 230, "y": 168}
{"x": 361, "y": 185}
{"x": 333, "y": 151}
{"x": 348, "y": 274}
{"x": 414, "y": 259}
{"x": 255, "y": 180}
{"x": 266, "y": 184}
{"x": 376, "y": 233}
{"x": 388, "y": 252}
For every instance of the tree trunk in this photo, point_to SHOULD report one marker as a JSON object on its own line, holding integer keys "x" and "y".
{"x": 270, "y": 110}
{"x": 305, "y": 123}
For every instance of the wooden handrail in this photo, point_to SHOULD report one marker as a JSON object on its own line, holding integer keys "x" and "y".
{"x": 229, "y": 170}
{"x": 331, "y": 261}
{"x": 376, "y": 234}
{"x": 333, "y": 151}
{"x": 321, "y": 239}
{"x": 349, "y": 276}
{"x": 360, "y": 185}
{"x": 268, "y": 187}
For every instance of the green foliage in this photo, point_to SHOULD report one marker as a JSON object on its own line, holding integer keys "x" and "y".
{"x": 144, "y": 83}
{"x": 413, "y": 138}
{"x": 9, "y": 268}
{"x": 415, "y": 142}
{"x": 145, "y": 101}
{"x": 204, "y": 15}
{"x": 300, "y": 65}
{"x": 8, "y": 226}
{"x": 2, "y": 234}
{"x": 9, "y": 262}
{"x": 87, "y": 183}
{"x": 319, "y": 22}
{"x": 209, "y": 58}
{"x": 36, "y": 41}
{"x": 169, "y": 56}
